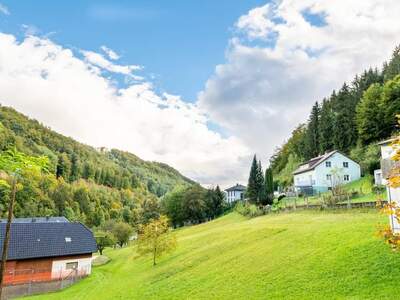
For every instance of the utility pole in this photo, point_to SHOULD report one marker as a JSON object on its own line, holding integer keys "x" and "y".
{"x": 7, "y": 235}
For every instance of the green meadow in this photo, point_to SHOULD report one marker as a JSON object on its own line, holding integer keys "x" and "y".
{"x": 299, "y": 255}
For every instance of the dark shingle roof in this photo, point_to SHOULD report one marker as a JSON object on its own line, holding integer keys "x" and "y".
{"x": 313, "y": 162}
{"x": 237, "y": 187}
{"x": 37, "y": 220}
{"x": 35, "y": 240}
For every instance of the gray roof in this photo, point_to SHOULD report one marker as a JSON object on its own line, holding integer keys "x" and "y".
{"x": 313, "y": 162}
{"x": 237, "y": 187}
{"x": 47, "y": 239}
{"x": 385, "y": 142}
{"x": 37, "y": 220}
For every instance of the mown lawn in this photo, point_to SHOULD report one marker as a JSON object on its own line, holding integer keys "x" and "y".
{"x": 299, "y": 255}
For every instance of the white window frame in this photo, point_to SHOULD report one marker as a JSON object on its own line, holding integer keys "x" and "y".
{"x": 345, "y": 164}
{"x": 346, "y": 177}
{"x": 328, "y": 164}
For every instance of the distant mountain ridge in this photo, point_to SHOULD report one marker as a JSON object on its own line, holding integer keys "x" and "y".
{"x": 73, "y": 160}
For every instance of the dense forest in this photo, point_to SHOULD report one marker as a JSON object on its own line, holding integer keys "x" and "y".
{"x": 84, "y": 183}
{"x": 350, "y": 120}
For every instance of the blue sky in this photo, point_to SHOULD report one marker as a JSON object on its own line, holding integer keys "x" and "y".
{"x": 222, "y": 79}
{"x": 179, "y": 42}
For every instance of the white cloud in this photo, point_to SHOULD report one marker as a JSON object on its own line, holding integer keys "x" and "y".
{"x": 4, "y": 9}
{"x": 50, "y": 83}
{"x": 98, "y": 60}
{"x": 256, "y": 23}
{"x": 264, "y": 89}
{"x": 110, "y": 53}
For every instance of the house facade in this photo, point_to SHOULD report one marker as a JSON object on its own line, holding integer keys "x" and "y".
{"x": 321, "y": 173}
{"x": 235, "y": 193}
{"x": 393, "y": 194}
{"x": 46, "y": 249}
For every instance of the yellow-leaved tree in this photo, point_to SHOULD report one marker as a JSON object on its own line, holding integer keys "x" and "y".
{"x": 13, "y": 166}
{"x": 156, "y": 238}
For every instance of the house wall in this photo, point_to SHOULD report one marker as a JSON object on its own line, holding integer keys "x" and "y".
{"x": 304, "y": 179}
{"x": 44, "y": 269}
{"x": 232, "y": 196}
{"x": 393, "y": 194}
{"x": 317, "y": 178}
{"x": 59, "y": 266}
{"x": 337, "y": 172}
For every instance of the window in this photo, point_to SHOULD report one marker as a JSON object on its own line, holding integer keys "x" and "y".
{"x": 68, "y": 239}
{"x": 328, "y": 164}
{"x": 346, "y": 177}
{"x": 328, "y": 177}
{"x": 345, "y": 164}
{"x": 71, "y": 265}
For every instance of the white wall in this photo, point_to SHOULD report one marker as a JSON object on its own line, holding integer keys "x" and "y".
{"x": 393, "y": 193}
{"x": 336, "y": 170}
{"x": 305, "y": 179}
{"x": 59, "y": 267}
{"x": 232, "y": 196}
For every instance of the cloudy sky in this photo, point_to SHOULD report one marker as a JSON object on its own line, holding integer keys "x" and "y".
{"x": 200, "y": 86}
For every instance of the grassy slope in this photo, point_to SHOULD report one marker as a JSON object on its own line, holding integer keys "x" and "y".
{"x": 307, "y": 255}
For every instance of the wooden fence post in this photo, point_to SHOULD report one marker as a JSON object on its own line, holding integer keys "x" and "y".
{"x": 348, "y": 201}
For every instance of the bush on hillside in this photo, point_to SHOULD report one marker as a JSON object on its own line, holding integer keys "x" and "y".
{"x": 249, "y": 210}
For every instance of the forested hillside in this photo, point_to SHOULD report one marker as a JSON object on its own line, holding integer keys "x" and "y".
{"x": 351, "y": 120}
{"x": 87, "y": 184}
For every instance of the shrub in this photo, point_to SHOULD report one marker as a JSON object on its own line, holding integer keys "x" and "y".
{"x": 378, "y": 189}
{"x": 249, "y": 210}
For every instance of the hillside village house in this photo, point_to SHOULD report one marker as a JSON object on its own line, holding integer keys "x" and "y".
{"x": 393, "y": 194}
{"x": 235, "y": 193}
{"x": 321, "y": 173}
{"x": 46, "y": 249}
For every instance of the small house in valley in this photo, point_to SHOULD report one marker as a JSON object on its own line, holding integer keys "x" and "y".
{"x": 235, "y": 193}
{"x": 46, "y": 249}
{"x": 321, "y": 173}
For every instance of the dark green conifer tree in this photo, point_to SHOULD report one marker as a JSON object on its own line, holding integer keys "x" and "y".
{"x": 312, "y": 133}
{"x": 252, "y": 185}
{"x": 326, "y": 127}
{"x": 269, "y": 186}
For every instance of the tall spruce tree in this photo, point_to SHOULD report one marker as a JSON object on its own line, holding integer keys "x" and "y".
{"x": 252, "y": 185}
{"x": 344, "y": 134}
{"x": 312, "y": 134}
{"x": 269, "y": 186}
{"x": 326, "y": 127}
{"x": 260, "y": 184}
{"x": 392, "y": 69}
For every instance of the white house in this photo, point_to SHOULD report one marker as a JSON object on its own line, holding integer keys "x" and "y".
{"x": 393, "y": 194}
{"x": 321, "y": 173}
{"x": 235, "y": 193}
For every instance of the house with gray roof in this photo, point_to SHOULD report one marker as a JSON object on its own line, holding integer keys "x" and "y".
{"x": 321, "y": 173}
{"x": 235, "y": 193}
{"x": 46, "y": 249}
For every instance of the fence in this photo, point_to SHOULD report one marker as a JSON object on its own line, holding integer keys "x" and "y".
{"x": 20, "y": 283}
{"x": 347, "y": 205}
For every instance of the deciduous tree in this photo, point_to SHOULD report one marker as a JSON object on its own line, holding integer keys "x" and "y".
{"x": 156, "y": 239}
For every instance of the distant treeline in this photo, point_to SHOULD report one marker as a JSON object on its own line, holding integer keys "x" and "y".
{"x": 84, "y": 183}
{"x": 350, "y": 120}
